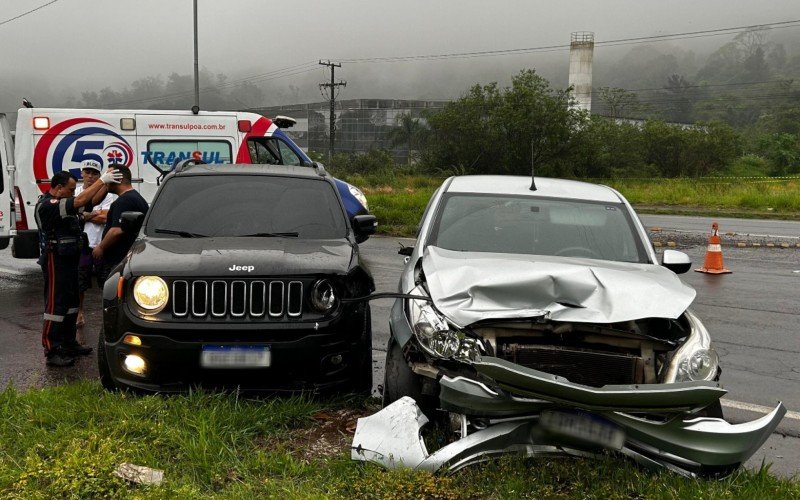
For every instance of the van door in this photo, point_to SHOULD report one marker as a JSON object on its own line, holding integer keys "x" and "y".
{"x": 6, "y": 190}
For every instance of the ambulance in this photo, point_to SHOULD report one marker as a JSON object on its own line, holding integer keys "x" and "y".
{"x": 149, "y": 142}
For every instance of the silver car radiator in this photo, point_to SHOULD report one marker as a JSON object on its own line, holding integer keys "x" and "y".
{"x": 581, "y": 366}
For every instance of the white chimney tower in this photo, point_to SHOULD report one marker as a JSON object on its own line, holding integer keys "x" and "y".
{"x": 581, "y": 50}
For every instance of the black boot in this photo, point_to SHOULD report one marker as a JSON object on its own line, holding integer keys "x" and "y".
{"x": 59, "y": 357}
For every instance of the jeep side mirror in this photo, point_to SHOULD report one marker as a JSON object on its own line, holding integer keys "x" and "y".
{"x": 131, "y": 222}
{"x": 675, "y": 261}
{"x": 407, "y": 251}
{"x": 363, "y": 226}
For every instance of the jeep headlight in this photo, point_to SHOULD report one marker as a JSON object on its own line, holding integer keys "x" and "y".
{"x": 151, "y": 293}
{"x": 437, "y": 336}
{"x": 359, "y": 195}
{"x": 696, "y": 359}
{"x": 323, "y": 296}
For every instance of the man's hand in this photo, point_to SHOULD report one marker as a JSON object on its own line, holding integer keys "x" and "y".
{"x": 97, "y": 252}
{"x": 111, "y": 176}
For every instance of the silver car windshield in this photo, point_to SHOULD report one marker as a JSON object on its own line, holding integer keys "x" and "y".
{"x": 536, "y": 226}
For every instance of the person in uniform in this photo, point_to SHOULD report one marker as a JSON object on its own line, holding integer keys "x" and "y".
{"x": 60, "y": 240}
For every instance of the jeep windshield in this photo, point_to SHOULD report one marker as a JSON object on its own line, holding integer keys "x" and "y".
{"x": 537, "y": 226}
{"x": 247, "y": 206}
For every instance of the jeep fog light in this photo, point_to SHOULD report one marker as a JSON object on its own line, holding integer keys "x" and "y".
{"x": 323, "y": 296}
{"x": 151, "y": 293}
{"x": 134, "y": 364}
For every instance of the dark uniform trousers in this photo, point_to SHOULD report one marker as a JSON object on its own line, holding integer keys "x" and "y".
{"x": 59, "y": 237}
{"x": 61, "y": 300}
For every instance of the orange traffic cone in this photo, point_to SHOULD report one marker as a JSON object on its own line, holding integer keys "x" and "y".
{"x": 713, "y": 263}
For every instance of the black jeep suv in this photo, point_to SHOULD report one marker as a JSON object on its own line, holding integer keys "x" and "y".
{"x": 239, "y": 280}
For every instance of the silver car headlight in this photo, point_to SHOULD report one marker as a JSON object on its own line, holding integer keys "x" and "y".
{"x": 696, "y": 359}
{"x": 359, "y": 195}
{"x": 151, "y": 293}
{"x": 437, "y": 336}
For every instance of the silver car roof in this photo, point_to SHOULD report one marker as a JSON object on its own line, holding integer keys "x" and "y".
{"x": 520, "y": 186}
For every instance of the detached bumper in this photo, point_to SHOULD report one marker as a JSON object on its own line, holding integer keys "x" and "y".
{"x": 521, "y": 382}
{"x": 687, "y": 445}
{"x": 536, "y": 413}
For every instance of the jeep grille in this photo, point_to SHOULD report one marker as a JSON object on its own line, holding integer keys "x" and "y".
{"x": 237, "y": 299}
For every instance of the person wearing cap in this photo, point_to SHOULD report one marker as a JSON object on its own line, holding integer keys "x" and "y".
{"x": 94, "y": 223}
{"x": 60, "y": 240}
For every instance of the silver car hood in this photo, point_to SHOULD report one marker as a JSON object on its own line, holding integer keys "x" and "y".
{"x": 471, "y": 286}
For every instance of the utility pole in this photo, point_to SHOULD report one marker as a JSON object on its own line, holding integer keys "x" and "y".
{"x": 196, "y": 107}
{"x": 331, "y": 90}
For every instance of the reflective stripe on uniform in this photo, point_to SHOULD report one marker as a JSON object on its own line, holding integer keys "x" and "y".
{"x": 50, "y": 309}
{"x": 54, "y": 317}
{"x": 72, "y": 310}
{"x": 62, "y": 207}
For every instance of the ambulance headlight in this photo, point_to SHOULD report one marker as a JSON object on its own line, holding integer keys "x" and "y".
{"x": 357, "y": 194}
{"x": 151, "y": 293}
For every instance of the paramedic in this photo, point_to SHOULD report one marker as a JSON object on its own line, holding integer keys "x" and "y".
{"x": 60, "y": 237}
{"x": 94, "y": 222}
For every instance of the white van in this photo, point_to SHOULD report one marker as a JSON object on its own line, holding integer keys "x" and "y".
{"x": 149, "y": 142}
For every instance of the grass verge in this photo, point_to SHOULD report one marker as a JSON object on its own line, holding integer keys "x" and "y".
{"x": 399, "y": 201}
{"x": 66, "y": 441}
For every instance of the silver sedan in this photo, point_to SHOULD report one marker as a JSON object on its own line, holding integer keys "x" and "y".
{"x": 541, "y": 321}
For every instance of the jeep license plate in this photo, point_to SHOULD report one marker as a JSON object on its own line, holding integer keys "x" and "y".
{"x": 235, "y": 356}
{"x": 583, "y": 427}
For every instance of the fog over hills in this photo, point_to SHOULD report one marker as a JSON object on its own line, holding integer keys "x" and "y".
{"x": 256, "y": 53}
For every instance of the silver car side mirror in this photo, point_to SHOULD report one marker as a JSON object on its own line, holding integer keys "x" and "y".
{"x": 675, "y": 261}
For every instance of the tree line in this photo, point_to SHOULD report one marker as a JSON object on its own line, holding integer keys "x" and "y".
{"x": 530, "y": 125}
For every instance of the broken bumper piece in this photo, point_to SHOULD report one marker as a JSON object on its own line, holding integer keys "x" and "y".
{"x": 687, "y": 445}
{"x": 535, "y": 413}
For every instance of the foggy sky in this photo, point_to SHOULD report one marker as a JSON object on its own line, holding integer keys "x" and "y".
{"x": 77, "y": 45}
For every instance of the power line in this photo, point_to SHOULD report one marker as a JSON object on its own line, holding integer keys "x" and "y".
{"x": 551, "y": 48}
{"x": 704, "y": 86}
{"x": 29, "y": 12}
{"x": 281, "y": 73}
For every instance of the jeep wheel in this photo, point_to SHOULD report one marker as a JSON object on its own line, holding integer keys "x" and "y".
{"x": 102, "y": 364}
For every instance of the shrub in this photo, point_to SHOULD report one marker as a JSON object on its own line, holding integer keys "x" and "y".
{"x": 749, "y": 166}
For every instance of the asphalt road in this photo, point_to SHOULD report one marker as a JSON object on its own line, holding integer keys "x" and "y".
{"x": 752, "y": 314}
{"x": 751, "y": 227}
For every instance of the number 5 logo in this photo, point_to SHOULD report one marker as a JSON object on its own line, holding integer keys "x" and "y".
{"x": 81, "y": 154}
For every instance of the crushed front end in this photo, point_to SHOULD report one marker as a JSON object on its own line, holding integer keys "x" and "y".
{"x": 646, "y": 388}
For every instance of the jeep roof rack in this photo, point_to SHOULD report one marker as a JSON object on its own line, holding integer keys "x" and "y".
{"x": 181, "y": 165}
{"x": 319, "y": 168}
